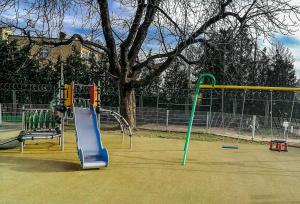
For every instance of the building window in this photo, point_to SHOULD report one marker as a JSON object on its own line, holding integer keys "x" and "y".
{"x": 86, "y": 55}
{"x": 44, "y": 52}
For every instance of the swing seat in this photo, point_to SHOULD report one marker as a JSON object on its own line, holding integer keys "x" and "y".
{"x": 230, "y": 147}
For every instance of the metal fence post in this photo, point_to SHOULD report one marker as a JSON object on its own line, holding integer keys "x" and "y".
{"x": 141, "y": 106}
{"x": 243, "y": 107}
{"x": 23, "y": 118}
{"x": 210, "y": 108}
{"x": 234, "y": 107}
{"x": 167, "y": 120}
{"x": 14, "y": 99}
{"x": 187, "y": 103}
{"x": 119, "y": 98}
{"x": 0, "y": 114}
{"x": 157, "y": 102}
{"x": 291, "y": 115}
{"x": 98, "y": 104}
{"x": 222, "y": 109}
{"x": 271, "y": 114}
{"x": 253, "y": 127}
{"x": 207, "y": 119}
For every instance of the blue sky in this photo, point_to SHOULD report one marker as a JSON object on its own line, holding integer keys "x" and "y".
{"x": 293, "y": 43}
{"x": 287, "y": 40}
{"x": 290, "y": 41}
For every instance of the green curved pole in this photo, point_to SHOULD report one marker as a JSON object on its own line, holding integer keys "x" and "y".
{"x": 197, "y": 90}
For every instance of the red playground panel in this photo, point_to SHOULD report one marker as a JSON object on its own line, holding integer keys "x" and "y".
{"x": 278, "y": 145}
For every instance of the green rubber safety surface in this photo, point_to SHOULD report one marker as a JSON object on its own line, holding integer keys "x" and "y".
{"x": 150, "y": 173}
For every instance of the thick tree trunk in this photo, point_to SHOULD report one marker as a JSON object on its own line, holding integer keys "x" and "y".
{"x": 127, "y": 104}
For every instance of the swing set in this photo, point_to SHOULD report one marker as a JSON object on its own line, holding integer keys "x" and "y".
{"x": 280, "y": 145}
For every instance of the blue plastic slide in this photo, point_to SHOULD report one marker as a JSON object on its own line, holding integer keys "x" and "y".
{"x": 90, "y": 150}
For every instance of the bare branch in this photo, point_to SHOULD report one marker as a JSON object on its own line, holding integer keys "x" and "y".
{"x": 110, "y": 41}
{"x": 143, "y": 30}
{"x": 135, "y": 24}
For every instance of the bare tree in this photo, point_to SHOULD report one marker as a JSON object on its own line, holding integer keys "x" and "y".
{"x": 147, "y": 34}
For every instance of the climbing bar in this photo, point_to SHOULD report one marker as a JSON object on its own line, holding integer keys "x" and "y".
{"x": 47, "y": 120}
{"x": 265, "y": 88}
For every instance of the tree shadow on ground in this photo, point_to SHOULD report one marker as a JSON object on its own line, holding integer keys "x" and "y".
{"x": 30, "y": 165}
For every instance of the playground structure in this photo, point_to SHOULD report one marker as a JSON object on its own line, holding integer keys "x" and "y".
{"x": 40, "y": 124}
{"x": 90, "y": 150}
{"x": 238, "y": 123}
{"x": 78, "y": 98}
{"x": 49, "y": 124}
{"x": 197, "y": 90}
{"x": 280, "y": 144}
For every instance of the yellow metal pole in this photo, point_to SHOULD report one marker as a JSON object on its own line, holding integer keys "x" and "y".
{"x": 266, "y": 88}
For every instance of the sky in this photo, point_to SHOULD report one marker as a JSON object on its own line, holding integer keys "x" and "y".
{"x": 290, "y": 41}
{"x": 293, "y": 43}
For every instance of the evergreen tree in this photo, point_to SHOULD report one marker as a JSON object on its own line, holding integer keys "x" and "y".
{"x": 281, "y": 71}
{"x": 230, "y": 61}
{"x": 99, "y": 73}
{"x": 16, "y": 66}
{"x": 175, "y": 84}
{"x": 76, "y": 69}
{"x": 147, "y": 95}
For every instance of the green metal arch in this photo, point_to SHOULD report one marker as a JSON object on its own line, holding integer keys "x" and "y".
{"x": 197, "y": 90}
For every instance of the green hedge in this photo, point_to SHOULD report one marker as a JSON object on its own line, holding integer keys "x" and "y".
{"x": 12, "y": 118}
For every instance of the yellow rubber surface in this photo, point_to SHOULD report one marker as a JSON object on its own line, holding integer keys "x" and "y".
{"x": 150, "y": 173}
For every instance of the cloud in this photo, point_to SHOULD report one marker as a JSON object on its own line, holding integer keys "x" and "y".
{"x": 297, "y": 69}
{"x": 296, "y": 54}
{"x": 293, "y": 43}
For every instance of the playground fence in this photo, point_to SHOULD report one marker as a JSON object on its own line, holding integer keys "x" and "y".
{"x": 250, "y": 127}
{"x": 258, "y": 115}
{"x": 234, "y": 125}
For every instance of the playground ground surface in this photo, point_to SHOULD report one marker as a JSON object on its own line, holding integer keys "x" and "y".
{"x": 151, "y": 172}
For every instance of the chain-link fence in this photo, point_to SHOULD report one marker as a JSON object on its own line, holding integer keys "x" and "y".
{"x": 247, "y": 114}
{"x": 258, "y": 115}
